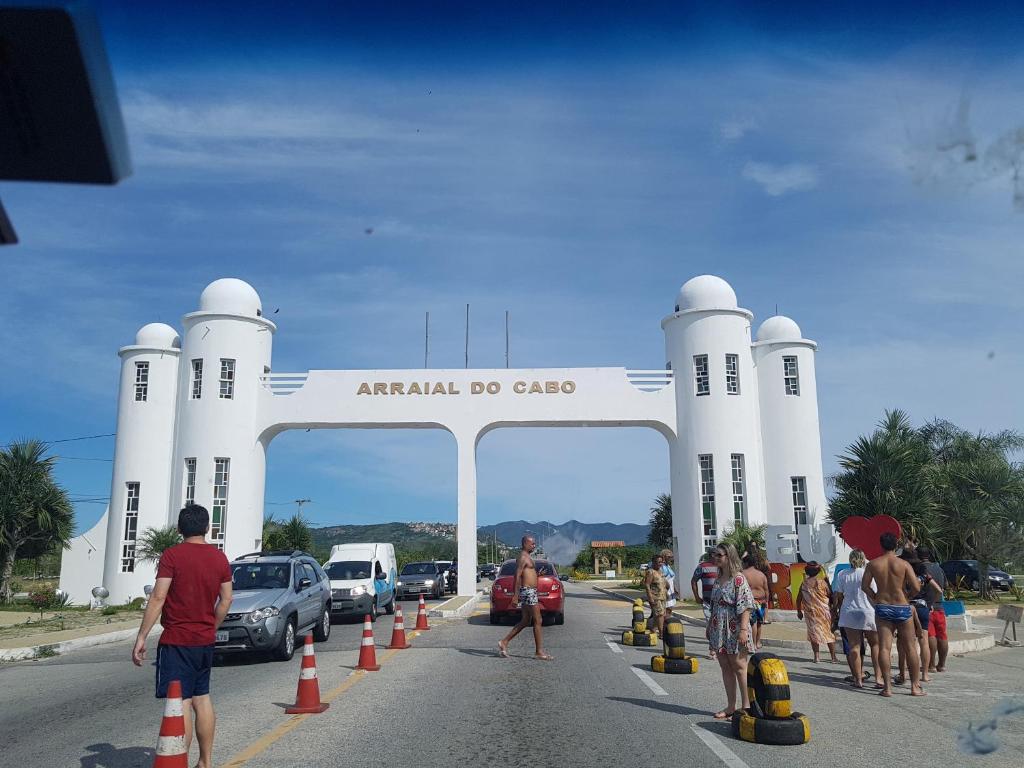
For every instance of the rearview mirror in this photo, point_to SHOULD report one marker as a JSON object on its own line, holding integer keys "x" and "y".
{"x": 304, "y": 583}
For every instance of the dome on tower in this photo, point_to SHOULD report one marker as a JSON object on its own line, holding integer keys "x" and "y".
{"x": 706, "y": 292}
{"x": 157, "y": 336}
{"x": 779, "y": 328}
{"x": 230, "y": 296}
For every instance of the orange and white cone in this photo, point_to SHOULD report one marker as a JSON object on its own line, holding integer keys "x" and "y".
{"x": 398, "y": 640}
{"x": 170, "y": 747}
{"x": 367, "y": 653}
{"x": 307, "y": 698}
{"x": 421, "y": 617}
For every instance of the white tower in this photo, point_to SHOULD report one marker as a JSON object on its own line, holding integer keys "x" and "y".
{"x": 794, "y": 486}
{"x": 716, "y": 475}
{"x": 218, "y": 461}
{"x": 146, "y": 403}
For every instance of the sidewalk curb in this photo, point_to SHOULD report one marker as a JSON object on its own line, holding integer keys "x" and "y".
{"x": 461, "y": 611}
{"x": 77, "y": 643}
{"x": 980, "y": 642}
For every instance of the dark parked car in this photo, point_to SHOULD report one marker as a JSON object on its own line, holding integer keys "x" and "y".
{"x": 488, "y": 570}
{"x": 277, "y": 597}
{"x": 966, "y": 573}
{"x": 420, "y": 579}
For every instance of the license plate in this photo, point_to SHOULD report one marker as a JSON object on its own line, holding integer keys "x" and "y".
{"x": 542, "y": 594}
{"x": 222, "y": 637}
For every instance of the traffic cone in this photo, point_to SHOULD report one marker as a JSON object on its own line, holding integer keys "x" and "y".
{"x": 421, "y": 617}
{"x": 398, "y": 640}
{"x": 307, "y": 698}
{"x": 170, "y": 746}
{"x": 367, "y": 653}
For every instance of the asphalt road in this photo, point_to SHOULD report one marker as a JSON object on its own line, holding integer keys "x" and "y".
{"x": 451, "y": 701}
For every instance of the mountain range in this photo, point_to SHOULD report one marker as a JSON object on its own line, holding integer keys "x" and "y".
{"x": 560, "y": 542}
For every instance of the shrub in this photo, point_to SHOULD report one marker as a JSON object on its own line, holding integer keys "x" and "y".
{"x": 45, "y": 652}
{"x": 135, "y": 604}
{"x": 109, "y": 610}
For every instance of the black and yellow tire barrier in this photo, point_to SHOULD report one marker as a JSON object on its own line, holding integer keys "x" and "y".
{"x": 768, "y": 685}
{"x": 639, "y": 620}
{"x": 686, "y": 666}
{"x": 640, "y": 639}
{"x": 786, "y": 731}
{"x": 674, "y": 639}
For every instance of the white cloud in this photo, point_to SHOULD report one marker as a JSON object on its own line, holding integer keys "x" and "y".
{"x": 734, "y": 130}
{"x": 777, "y": 180}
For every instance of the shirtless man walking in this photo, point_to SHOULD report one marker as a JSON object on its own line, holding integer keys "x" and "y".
{"x": 524, "y": 596}
{"x": 759, "y": 586}
{"x": 887, "y": 582}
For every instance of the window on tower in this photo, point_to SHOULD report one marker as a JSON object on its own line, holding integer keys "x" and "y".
{"x": 141, "y": 381}
{"x": 197, "y": 379}
{"x": 131, "y": 528}
{"x": 707, "y": 498}
{"x": 799, "y": 500}
{"x": 219, "y": 510}
{"x": 701, "y": 378}
{"x": 732, "y": 374}
{"x": 739, "y": 489}
{"x": 791, "y": 374}
{"x": 227, "y": 379}
{"x": 190, "y": 482}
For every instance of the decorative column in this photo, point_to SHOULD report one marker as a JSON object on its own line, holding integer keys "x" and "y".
{"x": 467, "y": 552}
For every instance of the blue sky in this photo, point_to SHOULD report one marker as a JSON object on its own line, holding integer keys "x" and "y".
{"x": 573, "y": 168}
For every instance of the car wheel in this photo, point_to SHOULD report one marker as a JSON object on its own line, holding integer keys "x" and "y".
{"x": 495, "y": 618}
{"x": 322, "y": 631}
{"x": 560, "y": 618}
{"x": 286, "y": 647}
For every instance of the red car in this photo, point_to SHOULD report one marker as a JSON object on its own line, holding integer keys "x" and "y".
{"x": 549, "y": 590}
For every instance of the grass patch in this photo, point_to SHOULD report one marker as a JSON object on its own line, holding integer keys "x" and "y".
{"x": 31, "y": 625}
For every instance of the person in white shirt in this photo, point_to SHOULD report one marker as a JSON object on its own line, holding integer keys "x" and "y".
{"x": 857, "y": 619}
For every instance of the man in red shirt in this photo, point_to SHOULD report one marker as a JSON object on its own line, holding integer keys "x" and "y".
{"x": 191, "y": 597}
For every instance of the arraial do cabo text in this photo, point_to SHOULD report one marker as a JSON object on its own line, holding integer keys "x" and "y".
{"x": 474, "y": 388}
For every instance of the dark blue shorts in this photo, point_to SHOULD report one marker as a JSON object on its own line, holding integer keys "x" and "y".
{"x": 190, "y": 665}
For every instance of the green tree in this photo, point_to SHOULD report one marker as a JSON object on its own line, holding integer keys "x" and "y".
{"x": 742, "y": 536}
{"x": 35, "y": 512}
{"x": 885, "y": 474}
{"x": 660, "y": 534}
{"x": 154, "y": 542}
{"x": 294, "y": 533}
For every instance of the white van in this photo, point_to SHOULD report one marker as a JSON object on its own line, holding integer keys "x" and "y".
{"x": 362, "y": 578}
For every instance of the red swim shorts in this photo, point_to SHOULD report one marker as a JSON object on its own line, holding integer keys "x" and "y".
{"x": 937, "y": 625}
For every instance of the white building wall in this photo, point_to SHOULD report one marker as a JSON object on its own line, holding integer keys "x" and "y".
{"x": 142, "y": 454}
{"x": 81, "y": 564}
{"x": 718, "y": 423}
{"x": 791, "y": 436}
{"x": 212, "y": 427}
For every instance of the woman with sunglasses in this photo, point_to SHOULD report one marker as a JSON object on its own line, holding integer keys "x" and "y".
{"x": 729, "y": 627}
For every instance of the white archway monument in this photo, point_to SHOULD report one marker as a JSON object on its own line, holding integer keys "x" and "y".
{"x": 198, "y": 410}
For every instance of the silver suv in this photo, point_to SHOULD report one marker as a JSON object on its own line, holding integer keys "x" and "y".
{"x": 277, "y": 597}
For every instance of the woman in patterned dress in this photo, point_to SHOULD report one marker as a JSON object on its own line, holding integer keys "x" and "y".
{"x": 729, "y": 636}
{"x": 813, "y": 605}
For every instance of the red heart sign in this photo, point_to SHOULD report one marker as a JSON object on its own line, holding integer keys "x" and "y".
{"x": 864, "y": 532}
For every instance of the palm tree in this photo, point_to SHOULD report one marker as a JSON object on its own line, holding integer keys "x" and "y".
{"x": 742, "y": 536}
{"x": 885, "y": 474}
{"x": 292, "y": 534}
{"x": 154, "y": 542}
{"x": 35, "y": 512}
{"x": 660, "y": 534}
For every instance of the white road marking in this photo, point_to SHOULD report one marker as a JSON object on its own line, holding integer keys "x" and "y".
{"x": 646, "y": 680}
{"x": 613, "y": 646}
{"x": 725, "y": 754}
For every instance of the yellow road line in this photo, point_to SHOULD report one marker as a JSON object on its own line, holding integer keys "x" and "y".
{"x": 266, "y": 740}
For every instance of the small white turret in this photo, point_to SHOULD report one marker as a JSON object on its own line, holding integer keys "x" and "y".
{"x": 147, "y": 399}
{"x": 218, "y": 461}
{"x": 716, "y": 473}
{"x": 794, "y": 485}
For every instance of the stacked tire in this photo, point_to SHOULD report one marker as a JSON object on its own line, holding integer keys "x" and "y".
{"x": 639, "y": 620}
{"x": 674, "y": 660}
{"x": 640, "y": 639}
{"x": 770, "y": 719}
